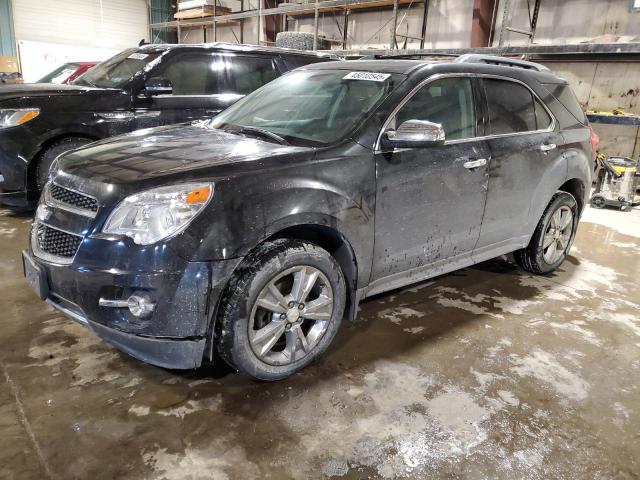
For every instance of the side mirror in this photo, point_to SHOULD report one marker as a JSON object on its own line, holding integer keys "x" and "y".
{"x": 414, "y": 133}
{"x": 158, "y": 86}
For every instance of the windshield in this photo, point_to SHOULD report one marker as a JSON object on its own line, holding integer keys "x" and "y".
{"x": 310, "y": 107}
{"x": 118, "y": 70}
{"x": 60, "y": 74}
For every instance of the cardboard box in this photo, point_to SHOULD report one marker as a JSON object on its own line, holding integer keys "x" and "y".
{"x": 9, "y": 64}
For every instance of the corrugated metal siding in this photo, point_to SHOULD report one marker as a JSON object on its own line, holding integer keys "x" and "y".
{"x": 7, "y": 40}
{"x": 114, "y": 24}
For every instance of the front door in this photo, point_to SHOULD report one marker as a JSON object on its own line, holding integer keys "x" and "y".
{"x": 430, "y": 201}
{"x": 204, "y": 83}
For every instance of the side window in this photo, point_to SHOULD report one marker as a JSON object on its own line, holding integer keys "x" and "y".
{"x": 449, "y": 102}
{"x": 543, "y": 120}
{"x": 511, "y": 107}
{"x": 191, "y": 73}
{"x": 247, "y": 74}
{"x": 563, "y": 93}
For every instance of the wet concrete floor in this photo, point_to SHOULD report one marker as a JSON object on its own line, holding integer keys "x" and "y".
{"x": 485, "y": 373}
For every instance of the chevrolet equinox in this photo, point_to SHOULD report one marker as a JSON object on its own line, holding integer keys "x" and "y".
{"x": 250, "y": 235}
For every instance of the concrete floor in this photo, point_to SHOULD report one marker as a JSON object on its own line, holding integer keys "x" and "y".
{"x": 485, "y": 373}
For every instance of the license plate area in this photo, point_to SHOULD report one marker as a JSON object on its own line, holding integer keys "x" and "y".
{"x": 36, "y": 277}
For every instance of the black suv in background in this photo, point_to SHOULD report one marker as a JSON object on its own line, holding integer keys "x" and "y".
{"x": 252, "y": 233}
{"x": 142, "y": 87}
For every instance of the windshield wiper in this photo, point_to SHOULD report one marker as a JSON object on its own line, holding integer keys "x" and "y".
{"x": 261, "y": 132}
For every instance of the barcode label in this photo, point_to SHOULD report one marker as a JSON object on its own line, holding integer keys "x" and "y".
{"x": 371, "y": 76}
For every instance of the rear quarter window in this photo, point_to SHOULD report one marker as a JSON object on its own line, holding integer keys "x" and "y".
{"x": 563, "y": 93}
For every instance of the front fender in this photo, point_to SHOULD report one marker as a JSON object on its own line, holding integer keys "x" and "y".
{"x": 337, "y": 193}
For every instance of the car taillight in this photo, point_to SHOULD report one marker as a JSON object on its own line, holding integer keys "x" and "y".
{"x": 595, "y": 143}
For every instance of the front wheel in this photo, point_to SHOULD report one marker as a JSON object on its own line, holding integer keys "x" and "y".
{"x": 553, "y": 236}
{"x": 281, "y": 310}
{"x": 49, "y": 155}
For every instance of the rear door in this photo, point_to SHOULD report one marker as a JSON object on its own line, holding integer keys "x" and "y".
{"x": 522, "y": 146}
{"x": 430, "y": 201}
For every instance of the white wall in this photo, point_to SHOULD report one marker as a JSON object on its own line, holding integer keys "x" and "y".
{"x": 573, "y": 21}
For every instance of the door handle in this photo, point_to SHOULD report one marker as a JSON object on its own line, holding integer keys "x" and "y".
{"x": 547, "y": 147}
{"x": 475, "y": 163}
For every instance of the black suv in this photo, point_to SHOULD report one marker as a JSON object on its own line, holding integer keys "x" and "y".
{"x": 250, "y": 235}
{"x": 142, "y": 87}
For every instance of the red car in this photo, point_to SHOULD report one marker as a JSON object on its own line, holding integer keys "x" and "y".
{"x": 67, "y": 72}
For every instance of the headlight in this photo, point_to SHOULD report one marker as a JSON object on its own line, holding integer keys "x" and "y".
{"x": 12, "y": 117}
{"x": 154, "y": 215}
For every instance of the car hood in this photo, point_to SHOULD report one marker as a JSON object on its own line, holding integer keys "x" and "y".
{"x": 21, "y": 90}
{"x": 176, "y": 152}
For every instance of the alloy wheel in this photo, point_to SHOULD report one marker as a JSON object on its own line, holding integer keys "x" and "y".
{"x": 557, "y": 235}
{"x": 290, "y": 315}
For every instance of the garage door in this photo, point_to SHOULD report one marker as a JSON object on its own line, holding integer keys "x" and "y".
{"x": 50, "y": 32}
{"x": 111, "y": 24}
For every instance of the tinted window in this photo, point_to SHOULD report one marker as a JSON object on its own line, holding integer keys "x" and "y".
{"x": 247, "y": 74}
{"x": 543, "y": 120}
{"x": 511, "y": 107}
{"x": 565, "y": 95}
{"x": 191, "y": 73}
{"x": 449, "y": 102}
{"x": 204, "y": 73}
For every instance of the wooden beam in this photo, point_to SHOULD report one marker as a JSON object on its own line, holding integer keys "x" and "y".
{"x": 483, "y": 22}
{"x": 349, "y": 6}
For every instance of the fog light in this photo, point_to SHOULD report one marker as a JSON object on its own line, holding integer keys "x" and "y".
{"x": 140, "y": 304}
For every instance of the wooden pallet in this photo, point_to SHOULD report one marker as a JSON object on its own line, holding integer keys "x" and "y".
{"x": 201, "y": 12}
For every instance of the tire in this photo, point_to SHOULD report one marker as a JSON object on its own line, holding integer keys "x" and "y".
{"x": 47, "y": 157}
{"x": 536, "y": 258}
{"x": 244, "y": 330}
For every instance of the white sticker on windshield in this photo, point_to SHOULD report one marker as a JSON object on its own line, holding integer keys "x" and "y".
{"x": 371, "y": 76}
{"x": 138, "y": 56}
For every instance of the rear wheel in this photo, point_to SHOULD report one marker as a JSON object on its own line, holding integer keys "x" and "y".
{"x": 282, "y": 309}
{"x": 51, "y": 152}
{"x": 553, "y": 236}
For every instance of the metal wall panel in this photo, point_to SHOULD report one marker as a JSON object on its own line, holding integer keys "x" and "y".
{"x": 7, "y": 39}
{"x": 114, "y": 24}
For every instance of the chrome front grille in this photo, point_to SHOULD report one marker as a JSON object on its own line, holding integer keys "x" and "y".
{"x": 54, "y": 245}
{"x": 71, "y": 200}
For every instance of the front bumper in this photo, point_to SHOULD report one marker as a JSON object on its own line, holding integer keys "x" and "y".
{"x": 174, "y": 336}
{"x": 179, "y": 354}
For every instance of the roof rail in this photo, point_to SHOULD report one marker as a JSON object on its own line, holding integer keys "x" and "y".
{"x": 403, "y": 56}
{"x": 495, "y": 60}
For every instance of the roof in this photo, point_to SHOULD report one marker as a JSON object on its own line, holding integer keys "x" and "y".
{"x": 235, "y": 47}
{"x": 385, "y": 66}
{"x": 517, "y": 70}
